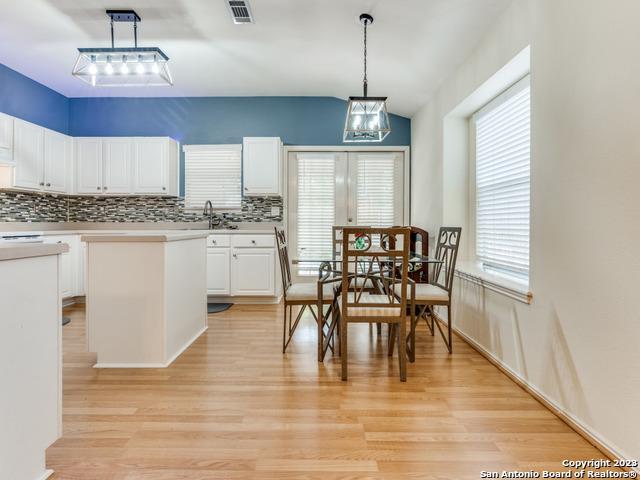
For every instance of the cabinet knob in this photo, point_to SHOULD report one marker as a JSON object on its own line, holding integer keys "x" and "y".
{"x": 48, "y": 184}
{"x": 246, "y": 188}
{"x": 253, "y": 241}
{"x": 235, "y": 256}
{"x": 164, "y": 188}
{"x": 42, "y": 184}
{"x": 214, "y": 242}
{"x": 98, "y": 188}
{"x": 104, "y": 188}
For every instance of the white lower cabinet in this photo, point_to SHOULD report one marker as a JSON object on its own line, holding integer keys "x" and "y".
{"x": 241, "y": 265}
{"x": 253, "y": 271}
{"x": 71, "y": 265}
{"x": 218, "y": 271}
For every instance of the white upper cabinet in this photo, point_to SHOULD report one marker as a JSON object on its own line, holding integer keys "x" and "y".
{"x": 6, "y": 139}
{"x": 116, "y": 165}
{"x": 261, "y": 166}
{"x": 28, "y": 155}
{"x": 88, "y": 161}
{"x": 58, "y": 159}
{"x": 151, "y": 163}
{"x": 38, "y": 159}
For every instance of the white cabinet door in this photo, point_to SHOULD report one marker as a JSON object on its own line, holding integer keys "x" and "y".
{"x": 28, "y": 155}
{"x": 57, "y": 157}
{"x": 67, "y": 274}
{"x": 6, "y": 139}
{"x": 252, "y": 271}
{"x": 218, "y": 271}
{"x": 151, "y": 165}
{"x": 116, "y": 160}
{"x": 68, "y": 263}
{"x": 88, "y": 161}
{"x": 81, "y": 258}
{"x": 261, "y": 165}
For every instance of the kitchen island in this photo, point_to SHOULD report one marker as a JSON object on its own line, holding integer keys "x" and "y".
{"x": 146, "y": 296}
{"x": 31, "y": 359}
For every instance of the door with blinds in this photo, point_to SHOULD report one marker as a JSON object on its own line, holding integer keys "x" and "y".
{"x": 340, "y": 188}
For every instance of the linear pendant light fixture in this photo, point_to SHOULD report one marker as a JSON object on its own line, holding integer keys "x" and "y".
{"x": 123, "y": 67}
{"x": 367, "y": 117}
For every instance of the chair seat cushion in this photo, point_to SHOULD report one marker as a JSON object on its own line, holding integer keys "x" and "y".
{"x": 298, "y": 292}
{"x": 425, "y": 292}
{"x": 371, "y": 310}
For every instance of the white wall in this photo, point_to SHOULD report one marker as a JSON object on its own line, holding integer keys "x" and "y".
{"x": 578, "y": 343}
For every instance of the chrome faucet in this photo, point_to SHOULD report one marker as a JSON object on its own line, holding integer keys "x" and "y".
{"x": 208, "y": 210}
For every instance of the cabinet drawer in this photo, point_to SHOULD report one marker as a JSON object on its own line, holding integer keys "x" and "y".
{"x": 253, "y": 241}
{"x": 218, "y": 241}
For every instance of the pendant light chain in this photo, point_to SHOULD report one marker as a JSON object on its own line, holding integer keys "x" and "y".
{"x": 366, "y": 22}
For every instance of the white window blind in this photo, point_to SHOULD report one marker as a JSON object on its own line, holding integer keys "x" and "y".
{"x": 376, "y": 190}
{"x": 316, "y": 208}
{"x": 213, "y": 172}
{"x": 503, "y": 181}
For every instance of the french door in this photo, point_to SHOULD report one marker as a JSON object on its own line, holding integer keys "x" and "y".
{"x": 340, "y": 188}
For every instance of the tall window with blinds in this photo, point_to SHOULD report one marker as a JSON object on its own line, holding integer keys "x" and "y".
{"x": 316, "y": 194}
{"x": 502, "y": 171}
{"x": 213, "y": 172}
{"x": 376, "y": 199}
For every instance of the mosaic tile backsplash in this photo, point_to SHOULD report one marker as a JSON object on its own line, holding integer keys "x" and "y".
{"x": 41, "y": 207}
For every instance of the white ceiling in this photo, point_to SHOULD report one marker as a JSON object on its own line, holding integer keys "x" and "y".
{"x": 295, "y": 48}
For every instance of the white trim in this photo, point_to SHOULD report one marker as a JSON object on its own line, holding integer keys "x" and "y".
{"x": 207, "y": 148}
{"x": 473, "y": 273}
{"x": 47, "y": 473}
{"x": 591, "y": 436}
{"x": 245, "y": 300}
{"x": 155, "y": 365}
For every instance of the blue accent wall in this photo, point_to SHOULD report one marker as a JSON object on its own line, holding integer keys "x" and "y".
{"x": 203, "y": 120}
{"x": 29, "y": 100}
{"x": 190, "y": 120}
{"x": 212, "y": 120}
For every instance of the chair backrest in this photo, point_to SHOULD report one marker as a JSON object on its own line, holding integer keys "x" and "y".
{"x": 447, "y": 253}
{"x": 419, "y": 243}
{"x": 337, "y": 240}
{"x": 370, "y": 258}
{"x": 283, "y": 255}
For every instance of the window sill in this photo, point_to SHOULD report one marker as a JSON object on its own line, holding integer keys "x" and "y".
{"x": 474, "y": 273}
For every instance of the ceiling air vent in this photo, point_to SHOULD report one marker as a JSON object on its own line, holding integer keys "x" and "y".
{"x": 240, "y": 11}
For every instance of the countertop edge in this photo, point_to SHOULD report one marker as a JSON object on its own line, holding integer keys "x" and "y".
{"x": 30, "y": 250}
{"x": 142, "y": 237}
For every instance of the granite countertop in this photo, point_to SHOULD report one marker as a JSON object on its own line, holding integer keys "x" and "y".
{"x": 145, "y": 237}
{"x": 28, "y": 250}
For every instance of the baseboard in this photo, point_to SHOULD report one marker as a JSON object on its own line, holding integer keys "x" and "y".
{"x": 186, "y": 345}
{"x": 248, "y": 300}
{"x": 45, "y": 475}
{"x": 584, "y": 431}
{"x": 71, "y": 301}
{"x": 155, "y": 365}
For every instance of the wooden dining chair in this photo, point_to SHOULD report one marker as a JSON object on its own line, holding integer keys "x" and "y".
{"x": 438, "y": 292}
{"x": 357, "y": 305}
{"x": 313, "y": 295}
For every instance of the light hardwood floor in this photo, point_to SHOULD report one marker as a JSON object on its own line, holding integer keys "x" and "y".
{"x": 233, "y": 407}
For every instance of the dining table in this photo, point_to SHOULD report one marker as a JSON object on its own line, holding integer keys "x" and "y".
{"x": 331, "y": 265}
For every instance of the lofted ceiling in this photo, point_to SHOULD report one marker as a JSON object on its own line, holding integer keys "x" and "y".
{"x": 295, "y": 48}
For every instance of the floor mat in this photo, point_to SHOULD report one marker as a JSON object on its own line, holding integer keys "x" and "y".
{"x": 218, "y": 307}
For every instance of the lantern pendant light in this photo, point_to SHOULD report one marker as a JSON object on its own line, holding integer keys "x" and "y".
{"x": 123, "y": 66}
{"x": 367, "y": 117}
